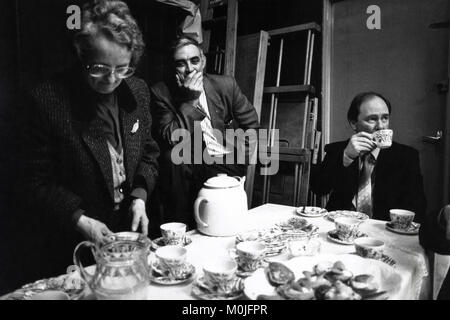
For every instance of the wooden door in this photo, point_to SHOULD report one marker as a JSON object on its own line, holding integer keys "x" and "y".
{"x": 404, "y": 60}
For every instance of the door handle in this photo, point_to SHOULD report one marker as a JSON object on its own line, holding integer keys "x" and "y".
{"x": 433, "y": 139}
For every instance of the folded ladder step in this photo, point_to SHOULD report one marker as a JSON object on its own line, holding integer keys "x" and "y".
{"x": 287, "y": 89}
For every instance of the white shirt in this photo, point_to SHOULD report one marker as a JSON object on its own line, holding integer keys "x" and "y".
{"x": 212, "y": 144}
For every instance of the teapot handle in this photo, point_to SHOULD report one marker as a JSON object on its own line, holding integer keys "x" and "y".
{"x": 197, "y": 203}
{"x": 76, "y": 259}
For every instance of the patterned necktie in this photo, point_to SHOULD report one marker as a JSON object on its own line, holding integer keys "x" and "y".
{"x": 364, "y": 197}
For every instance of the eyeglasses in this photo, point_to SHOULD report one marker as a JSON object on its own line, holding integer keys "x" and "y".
{"x": 101, "y": 70}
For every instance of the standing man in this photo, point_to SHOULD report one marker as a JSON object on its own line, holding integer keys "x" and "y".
{"x": 197, "y": 102}
{"x": 363, "y": 177}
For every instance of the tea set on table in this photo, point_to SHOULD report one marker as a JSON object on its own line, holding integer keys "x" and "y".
{"x": 123, "y": 270}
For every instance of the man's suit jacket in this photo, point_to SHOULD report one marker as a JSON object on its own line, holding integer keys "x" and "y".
{"x": 67, "y": 164}
{"x": 397, "y": 180}
{"x": 228, "y": 108}
{"x": 171, "y": 110}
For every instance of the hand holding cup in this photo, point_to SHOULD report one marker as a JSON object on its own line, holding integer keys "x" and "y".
{"x": 359, "y": 144}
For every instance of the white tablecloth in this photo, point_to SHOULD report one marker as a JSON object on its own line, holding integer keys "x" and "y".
{"x": 412, "y": 262}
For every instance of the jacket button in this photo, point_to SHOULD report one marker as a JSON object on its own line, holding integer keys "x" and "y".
{"x": 121, "y": 190}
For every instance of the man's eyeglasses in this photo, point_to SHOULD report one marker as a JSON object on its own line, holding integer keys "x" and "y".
{"x": 101, "y": 70}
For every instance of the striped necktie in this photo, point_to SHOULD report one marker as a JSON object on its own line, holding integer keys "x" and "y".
{"x": 364, "y": 197}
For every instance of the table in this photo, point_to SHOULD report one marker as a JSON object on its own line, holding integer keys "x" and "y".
{"x": 412, "y": 262}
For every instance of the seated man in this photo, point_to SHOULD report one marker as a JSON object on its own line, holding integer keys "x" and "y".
{"x": 365, "y": 178}
{"x": 201, "y": 106}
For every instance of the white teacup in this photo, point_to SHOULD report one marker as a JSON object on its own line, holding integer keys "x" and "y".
{"x": 383, "y": 138}
{"x": 249, "y": 255}
{"x": 172, "y": 259}
{"x": 220, "y": 275}
{"x": 173, "y": 233}
{"x": 400, "y": 218}
{"x": 347, "y": 228}
{"x": 368, "y": 247}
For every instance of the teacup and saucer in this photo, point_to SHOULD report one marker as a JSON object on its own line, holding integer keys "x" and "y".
{"x": 249, "y": 256}
{"x": 173, "y": 234}
{"x": 170, "y": 266}
{"x": 402, "y": 222}
{"x": 347, "y": 230}
{"x": 219, "y": 281}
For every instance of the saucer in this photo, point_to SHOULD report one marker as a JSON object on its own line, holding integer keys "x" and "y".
{"x": 204, "y": 292}
{"x": 160, "y": 242}
{"x": 311, "y": 212}
{"x": 165, "y": 278}
{"x": 332, "y": 235}
{"x": 411, "y": 230}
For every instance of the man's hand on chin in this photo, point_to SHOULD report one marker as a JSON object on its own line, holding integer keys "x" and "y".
{"x": 191, "y": 85}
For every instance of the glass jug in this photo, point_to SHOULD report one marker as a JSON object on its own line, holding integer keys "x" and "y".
{"x": 122, "y": 271}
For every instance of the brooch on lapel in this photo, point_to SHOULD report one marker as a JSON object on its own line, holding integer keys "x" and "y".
{"x": 135, "y": 127}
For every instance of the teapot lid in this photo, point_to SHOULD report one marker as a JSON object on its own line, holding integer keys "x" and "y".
{"x": 222, "y": 181}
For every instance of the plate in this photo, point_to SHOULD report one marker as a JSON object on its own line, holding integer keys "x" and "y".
{"x": 411, "y": 230}
{"x": 160, "y": 242}
{"x": 332, "y": 235}
{"x": 70, "y": 283}
{"x": 386, "y": 277}
{"x": 203, "y": 292}
{"x": 346, "y": 213}
{"x": 277, "y": 237}
{"x": 161, "y": 277}
{"x": 311, "y": 212}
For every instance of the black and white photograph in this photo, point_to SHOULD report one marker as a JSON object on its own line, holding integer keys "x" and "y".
{"x": 224, "y": 154}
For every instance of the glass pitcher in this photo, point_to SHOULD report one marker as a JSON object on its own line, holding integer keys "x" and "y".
{"x": 122, "y": 271}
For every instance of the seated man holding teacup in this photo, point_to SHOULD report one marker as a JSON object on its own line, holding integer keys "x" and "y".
{"x": 369, "y": 173}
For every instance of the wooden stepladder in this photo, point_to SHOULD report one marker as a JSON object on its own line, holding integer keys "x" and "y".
{"x": 301, "y": 157}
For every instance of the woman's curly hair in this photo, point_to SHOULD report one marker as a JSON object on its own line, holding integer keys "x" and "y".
{"x": 113, "y": 20}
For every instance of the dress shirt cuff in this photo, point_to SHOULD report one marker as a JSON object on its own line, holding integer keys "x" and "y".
{"x": 347, "y": 160}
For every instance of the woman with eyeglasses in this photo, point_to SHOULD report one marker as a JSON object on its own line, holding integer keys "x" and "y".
{"x": 91, "y": 160}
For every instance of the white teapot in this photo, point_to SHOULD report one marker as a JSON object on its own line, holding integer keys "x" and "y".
{"x": 221, "y": 206}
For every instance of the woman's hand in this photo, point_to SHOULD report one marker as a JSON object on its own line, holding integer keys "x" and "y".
{"x": 137, "y": 209}
{"x": 93, "y": 230}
